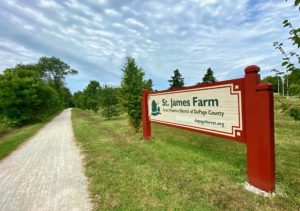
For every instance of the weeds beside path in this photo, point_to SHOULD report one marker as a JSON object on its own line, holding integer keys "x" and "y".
{"x": 11, "y": 138}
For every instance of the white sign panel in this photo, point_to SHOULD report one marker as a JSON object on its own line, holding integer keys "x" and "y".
{"x": 214, "y": 109}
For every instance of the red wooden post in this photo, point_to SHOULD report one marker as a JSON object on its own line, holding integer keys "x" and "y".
{"x": 145, "y": 116}
{"x": 259, "y": 121}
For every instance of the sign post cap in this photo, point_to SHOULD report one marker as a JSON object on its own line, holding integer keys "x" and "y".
{"x": 264, "y": 86}
{"x": 252, "y": 68}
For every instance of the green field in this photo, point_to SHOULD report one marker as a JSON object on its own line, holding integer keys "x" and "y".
{"x": 12, "y": 137}
{"x": 178, "y": 169}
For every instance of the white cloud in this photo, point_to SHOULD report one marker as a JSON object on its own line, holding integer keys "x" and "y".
{"x": 100, "y": 1}
{"x": 17, "y": 54}
{"x": 178, "y": 8}
{"x": 112, "y": 12}
{"x": 125, "y": 8}
{"x": 34, "y": 15}
{"x": 118, "y": 25}
{"x": 135, "y": 22}
{"x": 49, "y": 4}
{"x": 29, "y": 27}
{"x": 10, "y": 2}
{"x": 204, "y": 3}
{"x": 75, "y": 5}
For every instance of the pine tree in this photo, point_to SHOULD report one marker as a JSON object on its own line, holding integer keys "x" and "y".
{"x": 148, "y": 85}
{"x": 209, "y": 76}
{"x": 177, "y": 80}
{"x": 131, "y": 92}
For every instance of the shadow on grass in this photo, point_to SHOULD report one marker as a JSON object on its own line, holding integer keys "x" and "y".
{"x": 219, "y": 150}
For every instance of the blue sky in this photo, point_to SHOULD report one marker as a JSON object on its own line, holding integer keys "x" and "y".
{"x": 96, "y": 36}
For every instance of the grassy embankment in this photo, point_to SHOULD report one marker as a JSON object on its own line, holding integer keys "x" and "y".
{"x": 178, "y": 169}
{"x": 11, "y": 137}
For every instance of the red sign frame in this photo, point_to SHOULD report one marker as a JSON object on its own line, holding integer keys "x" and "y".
{"x": 258, "y": 124}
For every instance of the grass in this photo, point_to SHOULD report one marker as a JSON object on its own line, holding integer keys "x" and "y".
{"x": 180, "y": 170}
{"x": 11, "y": 138}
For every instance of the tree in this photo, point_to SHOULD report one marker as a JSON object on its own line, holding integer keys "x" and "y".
{"x": 78, "y": 100}
{"x": 295, "y": 89}
{"x": 91, "y": 96}
{"x": 109, "y": 102}
{"x": 66, "y": 96}
{"x": 176, "y": 80}
{"x": 209, "y": 76}
{"x": 148, "y": 85}
{"x": 24, "y": 97}
{"x": 54, "y": 71}
{"x": 275, "y": 81}
{"x": 32, "y": 92}
{"x": 280, "y": 77}
{"x": 290, "y": 59}
{"x": 131, "y": 92}
{"x": 294, "y": 79}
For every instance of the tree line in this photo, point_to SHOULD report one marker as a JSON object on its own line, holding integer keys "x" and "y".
{"x": 32, "y": 92}
{"x": 111, "y": 101}
{"x": 96, "y": 97}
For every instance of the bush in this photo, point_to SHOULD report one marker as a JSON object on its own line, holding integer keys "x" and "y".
{"x": 295, "y": 113}
{"x": 291, "y": 110}
{"x": 285, "y": 107}
{"x": 25, "y": 98}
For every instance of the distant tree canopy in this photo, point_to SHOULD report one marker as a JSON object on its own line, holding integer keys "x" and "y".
{"x": 78, "y": 99}
{"x": 275, "y": 81}
{"x": 176, "y": 80}
{"x": 92, "y": 96}
{"x": 209, "y": 76}
{"x": 110, "y": 102}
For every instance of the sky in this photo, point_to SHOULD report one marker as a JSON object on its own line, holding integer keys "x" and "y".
{"x": 95, "y": 36}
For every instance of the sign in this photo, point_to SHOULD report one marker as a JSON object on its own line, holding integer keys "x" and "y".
{"x": 240, "y": 110}
{"x": 214, "y": 109}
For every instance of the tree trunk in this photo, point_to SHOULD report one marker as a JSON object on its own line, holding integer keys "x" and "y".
{"x": 283, "y": 86}
{"x": 278, "y": 87}
{"x": 287, "y": 88}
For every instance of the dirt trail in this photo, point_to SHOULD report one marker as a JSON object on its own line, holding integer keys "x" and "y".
{"x": 46, "y": 172}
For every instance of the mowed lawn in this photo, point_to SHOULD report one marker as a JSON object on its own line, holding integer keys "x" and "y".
{"x": 180, "y": 170}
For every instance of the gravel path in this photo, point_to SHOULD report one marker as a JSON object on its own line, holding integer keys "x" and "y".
{"x": 45, "y": 173}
